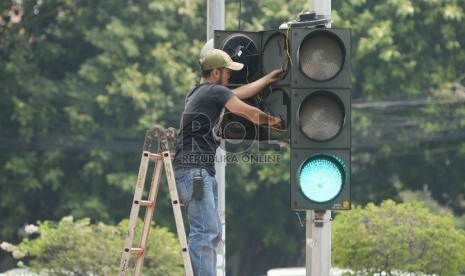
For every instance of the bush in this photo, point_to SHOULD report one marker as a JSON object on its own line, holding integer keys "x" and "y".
{"x": 81, "y": 248}
{"x": 397, "y": 237}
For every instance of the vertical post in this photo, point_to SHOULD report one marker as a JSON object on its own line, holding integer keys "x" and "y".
{"x": 215, "y": 17}
{"x": 322, "y": 8}
{"x": 318, "y": 225}
{"x": 215, "y": 21}
{"x": 318, "y": 243}
{"x": 220, "y": 167}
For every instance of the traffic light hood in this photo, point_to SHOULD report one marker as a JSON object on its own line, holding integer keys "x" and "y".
{"x": 216, "y": 58}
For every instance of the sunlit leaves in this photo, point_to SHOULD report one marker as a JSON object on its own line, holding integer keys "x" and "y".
{"x": 81, "y": 247}
{"x": 453, "y": 12}
{"x": 402, "y": 237}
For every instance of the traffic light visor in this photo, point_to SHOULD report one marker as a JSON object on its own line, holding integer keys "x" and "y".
{"x": 321, "y": 55}
{"x": 322, "y": 178}
{"x": 321, "y": 116}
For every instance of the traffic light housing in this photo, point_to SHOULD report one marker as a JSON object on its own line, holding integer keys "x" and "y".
{"x": 275, "y": 54}
{"x": 261, "y": 53}
{"x": 243, "y": 47}
{"x": 321, "y": 58}
{"x": 275, "y": 99}
{"x": 320, "y": 107}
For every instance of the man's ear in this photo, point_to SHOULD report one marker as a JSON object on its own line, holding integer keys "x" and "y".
{"x": 215, "y": 73}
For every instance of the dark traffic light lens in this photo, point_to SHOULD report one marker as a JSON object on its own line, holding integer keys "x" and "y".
{"x": 321, "y": 56}
{"x": 275, "y": 50}
{"x": 321, "y": 116}
{"x": 322, "y": 177}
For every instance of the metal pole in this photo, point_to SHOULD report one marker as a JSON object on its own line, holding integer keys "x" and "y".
{"x": 318, "y": 224}
{"x": 215, "y": 21}
{"x": 318, "y": 243}
{"x": 220, "y": 167}
{"x": 322, "y": 8}
{"x": 215, "y": 17}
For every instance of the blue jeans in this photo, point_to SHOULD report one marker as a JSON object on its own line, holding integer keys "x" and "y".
{"x": 204, "y": 220}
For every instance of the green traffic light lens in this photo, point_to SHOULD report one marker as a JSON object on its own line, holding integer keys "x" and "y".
{"x": 322, "y": 177}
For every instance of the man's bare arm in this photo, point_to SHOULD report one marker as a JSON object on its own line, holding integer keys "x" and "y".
{"x": 248, "y": 90}
{"x": 253, "y": 114}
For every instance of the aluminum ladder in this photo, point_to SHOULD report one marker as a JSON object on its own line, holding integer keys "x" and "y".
{"x": 162, "y": 158}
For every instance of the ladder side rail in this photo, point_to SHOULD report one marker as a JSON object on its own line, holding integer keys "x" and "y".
{"x": 134, "y": 212}
{"x": 155, "y": 184}
{"x": 177, "y": 213}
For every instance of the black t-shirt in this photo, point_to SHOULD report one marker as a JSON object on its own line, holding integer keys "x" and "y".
{"x": 196, "y": 145}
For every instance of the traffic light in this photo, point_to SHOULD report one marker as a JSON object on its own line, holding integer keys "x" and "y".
{"x": 243, "y": 47}
{"x": 320, "y": 107}
{"x": 275, "y": 99}
{"x": 261, "y": 53}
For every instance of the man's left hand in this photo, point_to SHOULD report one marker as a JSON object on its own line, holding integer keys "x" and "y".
{"x": 275, "y": 75}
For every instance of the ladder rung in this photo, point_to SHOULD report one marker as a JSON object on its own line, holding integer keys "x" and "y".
{"x": 137, "y": 250}
{"x": 155, "y": 156}
{"x": 147, "y": 203}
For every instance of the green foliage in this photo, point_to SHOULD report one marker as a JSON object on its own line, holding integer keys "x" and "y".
{"x": 81, "y": 81}
{"x": 261, "y": 15}
{"x": 393, "y": 51}
{"x": 81, "y": 248}
{"x": 408, "y": 94}
{"x": 404, "y": 237}
{"x": 257, "y": 198}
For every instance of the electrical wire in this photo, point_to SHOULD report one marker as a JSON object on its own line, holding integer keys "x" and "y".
{"x": 392, "y": 122}
{"x": 410, "y": 125}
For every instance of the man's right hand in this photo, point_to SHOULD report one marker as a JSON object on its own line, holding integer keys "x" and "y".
{"x": 275, "y": 122}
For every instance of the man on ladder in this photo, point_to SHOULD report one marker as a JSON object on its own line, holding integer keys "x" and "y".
{"x": 196, "y": 146}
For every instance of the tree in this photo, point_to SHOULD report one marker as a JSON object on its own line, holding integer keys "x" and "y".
{"x": 81, "y": 81}
{"x": 408, "y": 87}
{"x": 407, "y": 114}
{"x": 81, "y": 248}
{"x": 262, "y": 231}
{"x": 397, "y": 237}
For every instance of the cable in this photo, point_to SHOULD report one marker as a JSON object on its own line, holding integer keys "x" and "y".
{"x": 411, "y": 125}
